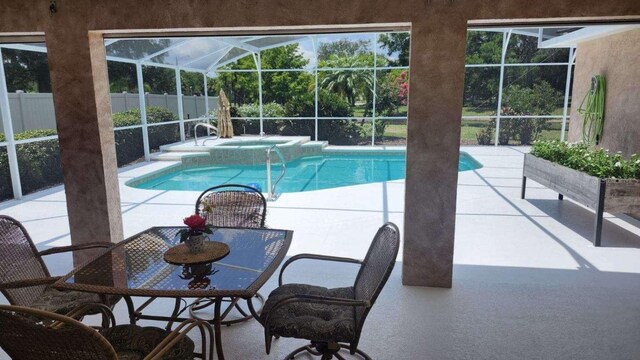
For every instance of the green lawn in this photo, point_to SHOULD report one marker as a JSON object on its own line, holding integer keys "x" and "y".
{"x": 469, "y": 130}
{"x": 358, "y": 111}
{"x": 474, "y": 111}
{"x": 396, "y": 130}
{"x": 471, "y": 127}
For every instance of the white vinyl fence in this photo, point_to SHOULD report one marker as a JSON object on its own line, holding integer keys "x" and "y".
{"x": 35, "y": 111}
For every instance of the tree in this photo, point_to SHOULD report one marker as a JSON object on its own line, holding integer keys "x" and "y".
{"x": 524, "y": 49}
{"x": 192, "y": 83}
{"x": 396, "y": 43}
{"x": 343, "y": 48}
{"x": 349, "y": 83}
{"x": 240, "y": 87}
{"x": 122, "y": 76}
{"x": 26, "y": 70}
{"x": 283, "y": 57}
{"x": 280, "y": 87}
{"x": 540, "y": 99}
{"x": 277, "y": 86}
{"x": 481, "y": 83}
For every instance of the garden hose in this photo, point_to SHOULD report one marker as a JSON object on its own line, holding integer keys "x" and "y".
{"x": 592, "y": 107}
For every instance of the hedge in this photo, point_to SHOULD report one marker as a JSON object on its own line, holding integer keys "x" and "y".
{"x": 129, "y": 146}
{"x": 39, "y": 162}
{"x": 330, "y": 104}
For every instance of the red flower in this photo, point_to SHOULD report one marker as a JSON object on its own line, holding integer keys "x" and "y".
{"x": 196, "y": 222}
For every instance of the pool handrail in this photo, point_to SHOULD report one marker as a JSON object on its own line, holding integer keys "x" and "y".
{"x": 271, "y": 189}
{"x": 208, "y": 126}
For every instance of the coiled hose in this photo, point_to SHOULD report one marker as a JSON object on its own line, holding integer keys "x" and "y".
{"x": 592, "y": 107}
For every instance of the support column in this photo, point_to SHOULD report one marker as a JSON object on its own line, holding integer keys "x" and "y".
{"x": 375, "y": 80}
{"x": 505, "y": 43}
{"x": 180, "y": 104}
{"x": 567, "y": 89}
{"x": 258, "y": 61}
{"x": 433, "y": 150}
{"x": 7, "y": 124}
{"x": 80, "y": 87}
{"x": 314, "y": 41}
{"x": 142, "y": 101}
{"x": 205, "y": 91}
{"x": 206, "y": 96}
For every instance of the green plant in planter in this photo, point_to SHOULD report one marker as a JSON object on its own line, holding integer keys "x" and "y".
{"x": 593, "y": 161}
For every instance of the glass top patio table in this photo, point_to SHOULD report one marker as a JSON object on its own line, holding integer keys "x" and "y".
{"x": 135, "y": 266}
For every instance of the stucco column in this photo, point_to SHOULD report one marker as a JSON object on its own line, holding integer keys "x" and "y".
{"x": 433, "y": 147}
{"x": 83, "y": 115}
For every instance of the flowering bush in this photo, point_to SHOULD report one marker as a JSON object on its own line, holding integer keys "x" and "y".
{"x": 593, "y": 161}
{"x": 196, "y": 225}
{"x": 403, "y": 94}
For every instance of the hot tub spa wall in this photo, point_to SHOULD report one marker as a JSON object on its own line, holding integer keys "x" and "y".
{"x": 250, "y": 155}
{"x": 616, "y": 57}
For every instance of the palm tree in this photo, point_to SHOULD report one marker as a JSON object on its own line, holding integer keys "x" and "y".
{"x": 346, "y": 81}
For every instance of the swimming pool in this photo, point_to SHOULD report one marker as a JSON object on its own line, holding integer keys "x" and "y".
{"x": 304, "y": 174}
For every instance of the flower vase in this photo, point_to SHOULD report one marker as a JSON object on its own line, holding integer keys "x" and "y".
{"x": 195, "y": 243}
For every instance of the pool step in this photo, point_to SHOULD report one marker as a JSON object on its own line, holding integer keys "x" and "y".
{"x": 176, "y": 155}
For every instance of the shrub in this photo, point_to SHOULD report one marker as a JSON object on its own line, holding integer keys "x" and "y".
{"x": 129, "y": 146}
{"x": 6, "y": 192}
{"x": 593, "y": 161}
{"x": 268, "y": 110}
{"x": 541, "y": 99}
{"x": 38, "y": 162}
{"x": 31, "y": 134}
{"x": 40, "y": 165}
{"x": 253, "y": 126}
{"x": 485, "y": 135}
{"x": 155, "y": 114}
{"x": 330, "y": 104}
{"x": 523, "y": 130}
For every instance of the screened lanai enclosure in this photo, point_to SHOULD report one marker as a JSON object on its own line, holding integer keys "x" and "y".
{"x": 345, "y": 89}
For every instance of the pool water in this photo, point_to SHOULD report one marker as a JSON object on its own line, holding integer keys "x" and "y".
{"x": 304, "y": 174}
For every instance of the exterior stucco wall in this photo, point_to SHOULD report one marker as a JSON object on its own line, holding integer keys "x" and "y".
{"x": 617, "y": 57}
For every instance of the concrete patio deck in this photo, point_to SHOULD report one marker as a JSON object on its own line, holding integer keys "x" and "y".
{"x": 528, "y": 283}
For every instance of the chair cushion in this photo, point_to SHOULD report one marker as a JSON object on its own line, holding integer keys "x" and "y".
{"x": 62, "y": 302}
{"x": 133, "y": 342}
{"x": 311, "y": 321}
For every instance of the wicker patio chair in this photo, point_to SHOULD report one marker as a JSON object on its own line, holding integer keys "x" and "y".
{"x": 331, "y": 318}
{"x": 25, "y": 279}
{"x": 31, "y": 334}
{"x": 231, "y": 205}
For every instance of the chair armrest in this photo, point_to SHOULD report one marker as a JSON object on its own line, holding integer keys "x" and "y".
{"x": 29, "y": 282}
{"x": 179, "y": 333}
{"x": 315, "y": 257}
{"x": 108, "y": 319}
{"x": 325, "y": 300}
{"x": 61, "y": 249}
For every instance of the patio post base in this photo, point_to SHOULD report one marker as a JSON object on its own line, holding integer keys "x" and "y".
{"x": 326, "y": 351}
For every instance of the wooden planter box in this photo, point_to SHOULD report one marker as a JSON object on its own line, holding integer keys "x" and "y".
{"x": 610, "y": 195}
